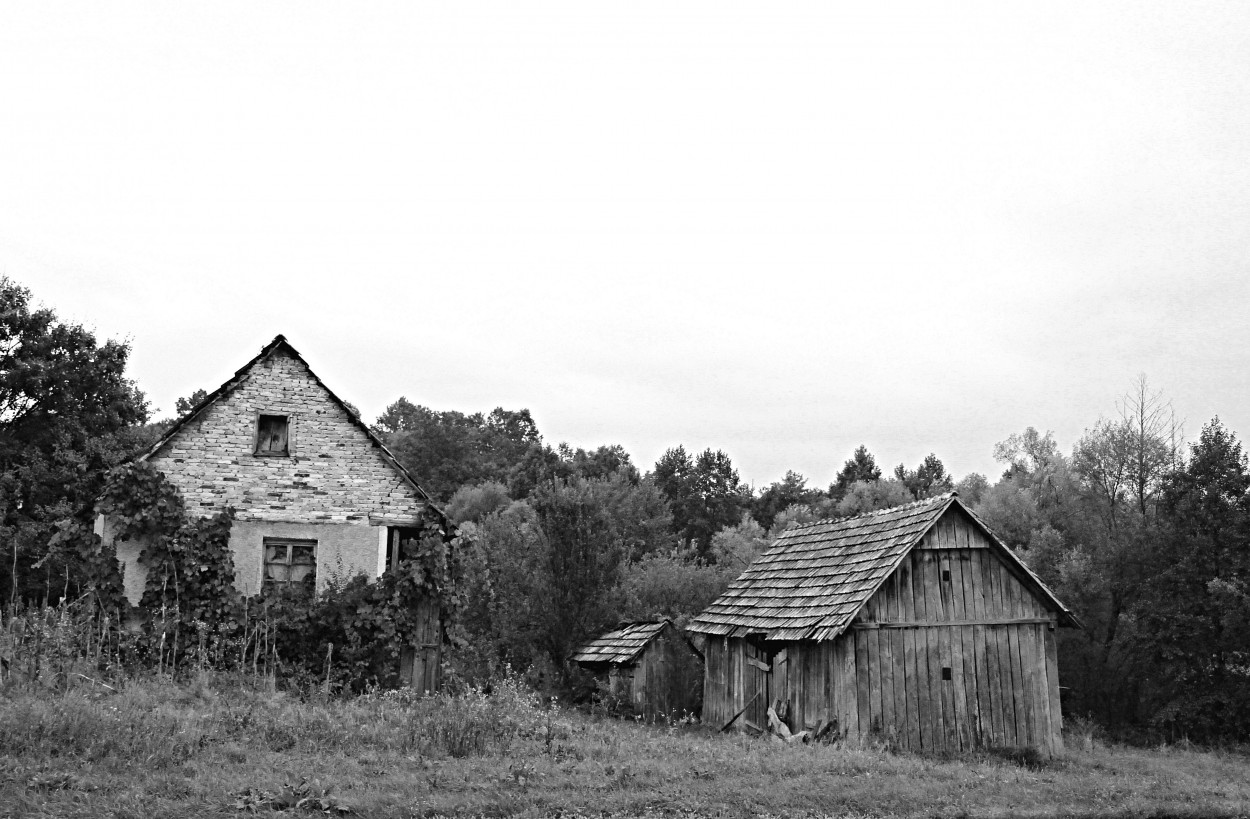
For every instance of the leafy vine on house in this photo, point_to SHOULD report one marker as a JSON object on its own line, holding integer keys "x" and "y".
{"x": 270, "y": 527}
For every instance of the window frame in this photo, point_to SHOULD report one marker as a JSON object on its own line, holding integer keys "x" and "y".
{"x": 290, "y": 434}
{"x": 268, "y": 584}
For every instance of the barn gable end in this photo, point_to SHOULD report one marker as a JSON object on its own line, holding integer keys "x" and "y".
{"x": 929, "y": 631}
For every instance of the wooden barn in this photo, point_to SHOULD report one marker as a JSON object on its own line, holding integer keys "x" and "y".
{"x": 914, "y": 623}
{"x": 651, "y": 665}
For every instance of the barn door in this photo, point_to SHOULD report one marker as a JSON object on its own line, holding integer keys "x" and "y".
{"x": 756, "y": 688}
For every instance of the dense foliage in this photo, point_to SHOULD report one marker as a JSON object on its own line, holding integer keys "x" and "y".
{"x": 67, "y": 415}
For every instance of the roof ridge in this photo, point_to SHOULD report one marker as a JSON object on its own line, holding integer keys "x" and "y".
{"x": 945, "y": 496}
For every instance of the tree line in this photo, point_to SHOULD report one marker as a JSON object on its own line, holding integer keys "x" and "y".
{"x": 1146, "y": 536}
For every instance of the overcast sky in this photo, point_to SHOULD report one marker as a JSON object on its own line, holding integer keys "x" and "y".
{"x": 778, "y": 229}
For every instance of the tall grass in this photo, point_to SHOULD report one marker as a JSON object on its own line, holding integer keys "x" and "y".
{"x": 215, "y": 741}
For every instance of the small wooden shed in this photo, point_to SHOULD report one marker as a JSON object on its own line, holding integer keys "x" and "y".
{"x": 914, "y": 623}
{"x": 652, "y": 665}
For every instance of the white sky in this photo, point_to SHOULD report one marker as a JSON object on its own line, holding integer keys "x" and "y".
{"x": 779, "y": 229}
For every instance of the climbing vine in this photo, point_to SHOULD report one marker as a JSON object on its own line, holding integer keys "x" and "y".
{"x": 362, "y": 628}
{"x": 189, "y": 594}
{"x": 351, "y": 635}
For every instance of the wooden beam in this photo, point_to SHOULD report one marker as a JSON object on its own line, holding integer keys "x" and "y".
{"x": 985, "y": 621}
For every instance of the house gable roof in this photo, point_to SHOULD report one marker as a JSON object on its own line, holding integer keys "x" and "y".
{"x": 813, "y": 580}
{"x": 281, "y": 345}
{"x": 624, "y": 644}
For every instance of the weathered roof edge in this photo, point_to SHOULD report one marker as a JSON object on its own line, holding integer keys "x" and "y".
{"x": 663, "y": 622}
{"x": 1066, "y": 616}
{"x": 939, "y": 509}
{"x": 245, "y": 371}
{"x": 826, "y": 632}
{"x": 794, "y": 527}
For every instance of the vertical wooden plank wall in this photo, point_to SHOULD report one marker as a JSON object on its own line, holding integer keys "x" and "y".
{"x": 1003, "y": 686}
{"x": 1003, "y": 682}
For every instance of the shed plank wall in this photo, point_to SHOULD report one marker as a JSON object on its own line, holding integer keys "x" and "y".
{"x": 1003, "y": 689}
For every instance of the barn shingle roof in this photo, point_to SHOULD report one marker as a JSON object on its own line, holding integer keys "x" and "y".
{"x": 620, "y": 646}
{"x": 810, "y": 583}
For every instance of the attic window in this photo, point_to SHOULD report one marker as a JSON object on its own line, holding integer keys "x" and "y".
{"x": 272, "y": 435}
{"x": 946, "y": 672}
{"x": 290, "y": 563}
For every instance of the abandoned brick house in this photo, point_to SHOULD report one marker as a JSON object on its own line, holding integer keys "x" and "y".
{"x": 651, "y": 665}
{"x": 314, "y": 492}
{"x": 914, "y": 623}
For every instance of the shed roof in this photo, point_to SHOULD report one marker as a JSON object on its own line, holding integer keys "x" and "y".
{"x": 810, "y": 583}
{"x": 622, "y": 645}
{"x": 243, "y": 373}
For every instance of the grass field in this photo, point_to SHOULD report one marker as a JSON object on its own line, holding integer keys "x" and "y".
{"x": 225, "y": 747}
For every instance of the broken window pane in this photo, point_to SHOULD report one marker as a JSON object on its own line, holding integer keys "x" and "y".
{"x": 290, "y": 563}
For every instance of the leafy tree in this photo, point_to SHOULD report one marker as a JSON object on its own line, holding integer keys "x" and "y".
{"x": 869, "y": 496}
{"x": 544, "y": 573}
{"x": 447, "y": 450}
{"x": 734, "y": 547}
{"x": 704, "y": 494}
{"x": 67, "y": 414}
{"x": 473, "y": 503}
{"x": 926, "y": 480}
{"x": 184, "y": 405}
{"x": 860, "y": 467}
{"x": 972, "y": 488}
{"x": 1196, "y": 606}
{"x": 583, "y": 556}
{"x": 669, "y": 585}
{"x": 790, "y": 490}
{"x": 604, "y": 462}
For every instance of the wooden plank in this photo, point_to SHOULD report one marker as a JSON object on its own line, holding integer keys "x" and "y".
{"x": 885, "y": 672}
{"x": 1017, "y": 670}
{"x": 850, "y": 685}
{"x": 1032, "y": 691}
{"x": 972, "y": 682}
{"x": 920, "y": 666}
{"x": 1010, "y": 656}
{"x": 898, "y": 653}
{"x": 1027, "y": 669}
{"x": 833, "y": 672}
{"x": 986, "y": 695}
{"x": 997, "y": 640}
{"x": 970, "y": 621}
{"x": 863, "y": 685}
{"x": 902, "y": 721}
{"x": 1040, "y": 694}
{"x": 911, "y": 688}
{"x": 959, "y": 680}
{"x": 928, "y": 578}
{"x": 1052, "y": 685}
{"x": 875, "y": 721}
{"x": 950, "y": 722}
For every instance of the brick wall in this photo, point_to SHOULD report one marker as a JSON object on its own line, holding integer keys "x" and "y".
{"x": 334, "y": 472}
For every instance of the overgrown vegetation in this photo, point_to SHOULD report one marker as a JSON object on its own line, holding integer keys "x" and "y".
{"x": 224, "y": 745}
